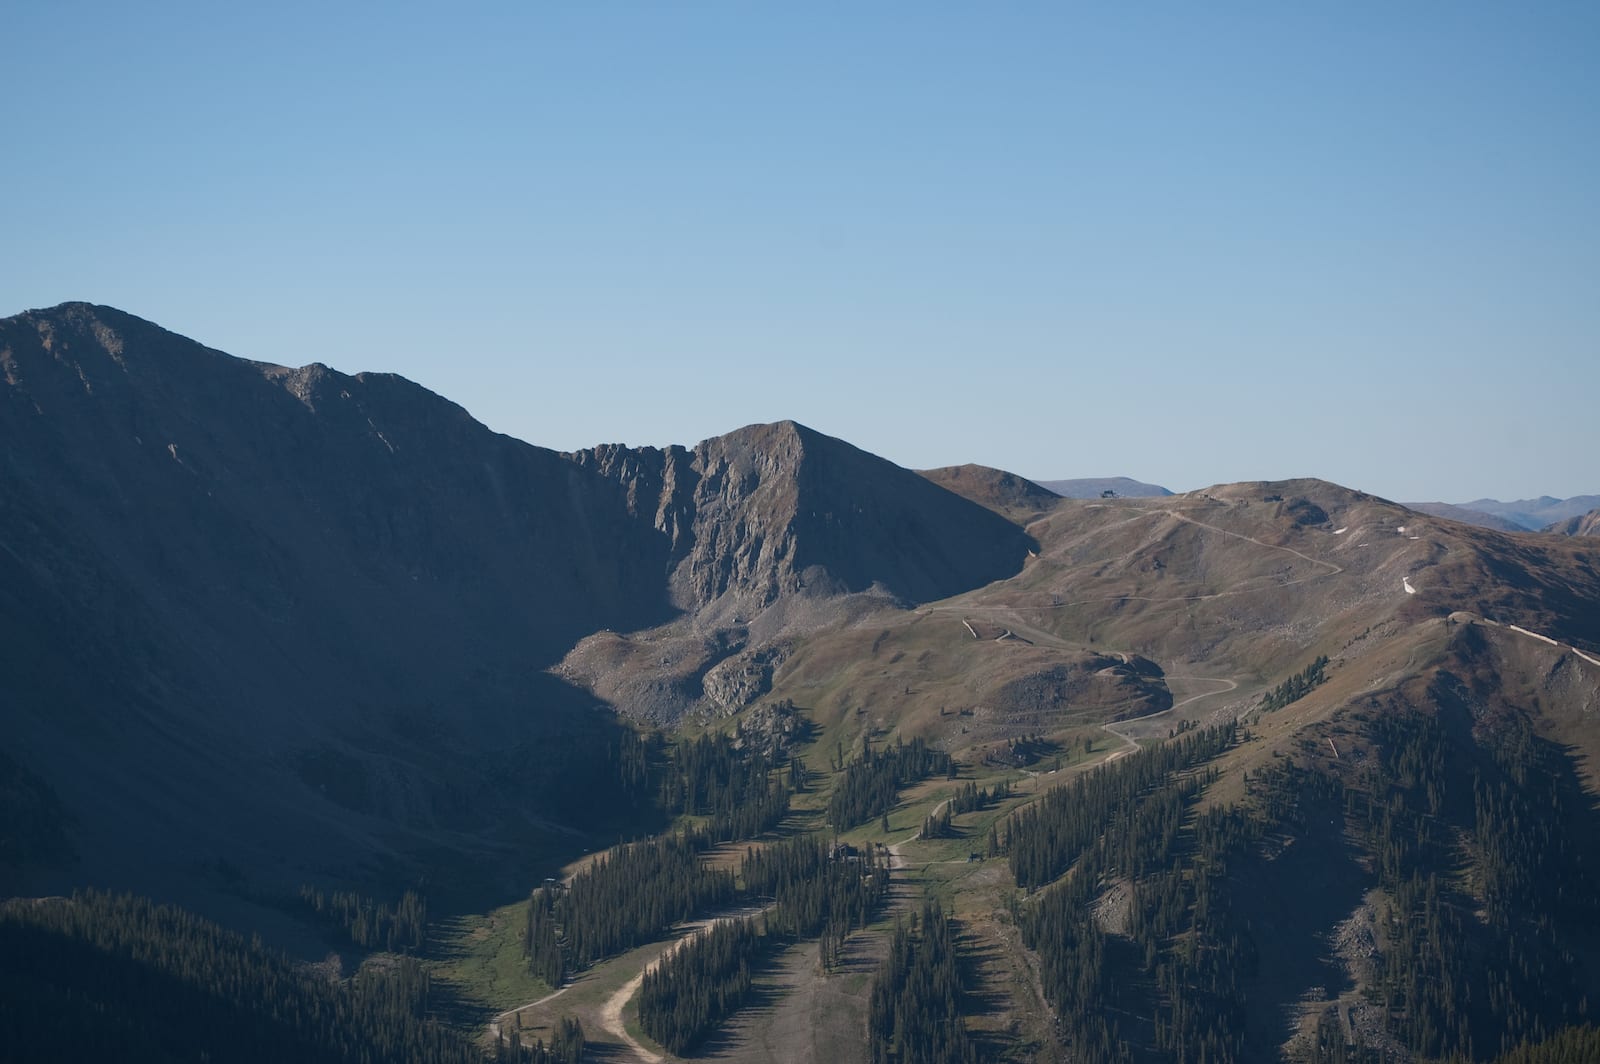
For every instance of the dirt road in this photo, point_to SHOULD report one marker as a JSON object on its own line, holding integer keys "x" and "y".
{"x": 1130, "y": 745}
{"x": 611, "y": 1011}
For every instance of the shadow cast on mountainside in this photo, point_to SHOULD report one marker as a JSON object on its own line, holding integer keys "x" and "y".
{"x": 1293, "y": 902}
{"x": 606, "y": 1052}
{"x": 732, "y": 1035}
{"x": 983, "y": 965}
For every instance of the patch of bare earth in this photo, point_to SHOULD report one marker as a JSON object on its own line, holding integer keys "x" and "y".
{"x": 1111, "y": 908}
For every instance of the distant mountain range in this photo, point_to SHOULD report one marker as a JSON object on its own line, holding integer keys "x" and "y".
{"x": 1523, "y": 515}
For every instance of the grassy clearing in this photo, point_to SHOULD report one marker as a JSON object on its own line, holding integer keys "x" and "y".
{"x": 482, "y": 963}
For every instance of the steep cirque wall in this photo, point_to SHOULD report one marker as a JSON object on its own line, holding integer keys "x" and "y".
{"x": 775, "y": 510}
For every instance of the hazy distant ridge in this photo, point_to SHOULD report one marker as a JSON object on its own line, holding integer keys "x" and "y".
{"x": 1534, "y": 514}
{"x": 1465, "y": 516}
{"x": 1094, "y": 487}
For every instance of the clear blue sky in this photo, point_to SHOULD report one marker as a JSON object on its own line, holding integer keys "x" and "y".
{"x": 1185, "y": 242}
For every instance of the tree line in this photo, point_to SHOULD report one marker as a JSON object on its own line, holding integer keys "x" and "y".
{"x": 635, "y": 893}
{"x": 819, "y": 890}
{"x": 368, "y": 923}
{"x": 115, "y": 977}
{"x": 871, "y": 784}
{"x": 1297, "y": 686}
{"x": 628, "y": 896}
{"x": 1193, "y": 949}
{"x": 703, "y": 981}
{"x": 1495, "y": 794}
{"x": 1043, "y": 839}
{"x": 565, "y": 1046}
{"x": 914, "y": 1007}
{"x": 740, "y": 791}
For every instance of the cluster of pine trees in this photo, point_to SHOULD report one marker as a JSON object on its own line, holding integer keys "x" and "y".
{"x": 971, "y": 798}
{"x": 739, "y": 790}
{"x": 1192, "y": 949}
{"x": 635, "y": 893}
{"x": 630, "y": 895}
{"x": 869, "y": 785}
{"x": 565, "y": 1046}
{"x": 1200, "y": 977}
{"x": 120, "y": 978}
{"x": 1297, "y": 686}
{"x": 685, "y": 997}
{"x": 1453, "y": 985}
{"x": 819, "y": 890}
{"x": 1185, "y": 936}
{"x": 368, "y": 923}
{"x": 914, "y": 1009}
{"x": 1046, "y": 837}
{"x": 968, "y": 799}
{"x": 1570, "y": 1045}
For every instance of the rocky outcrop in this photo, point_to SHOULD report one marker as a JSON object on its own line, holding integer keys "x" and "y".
{"x": 776, "y": 510}
{"x": 1583, "y": 525}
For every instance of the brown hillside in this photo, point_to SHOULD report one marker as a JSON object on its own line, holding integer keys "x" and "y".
{"x": 1005, "y": 493}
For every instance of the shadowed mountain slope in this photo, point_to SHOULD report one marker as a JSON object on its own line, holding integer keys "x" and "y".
{"x": 295, "y": 611}
{"x": 284, "y": 610}
{"x": 1005, "y": 493}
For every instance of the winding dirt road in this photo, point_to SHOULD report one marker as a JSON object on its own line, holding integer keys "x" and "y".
{"x": 1130, "y": 745}
{"x": 611, "y": 1010}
